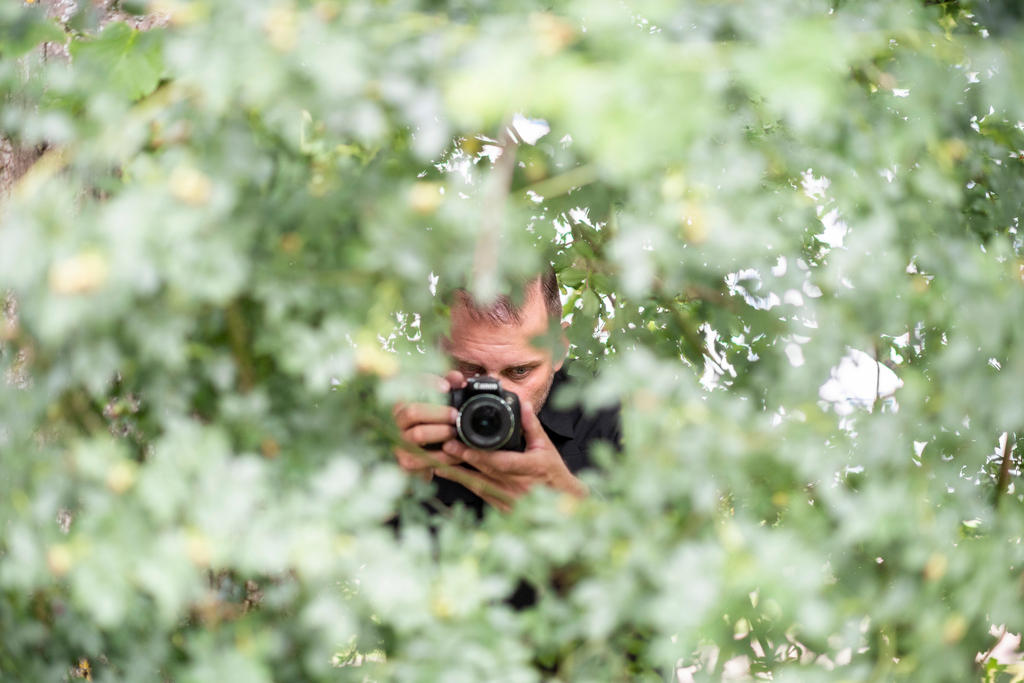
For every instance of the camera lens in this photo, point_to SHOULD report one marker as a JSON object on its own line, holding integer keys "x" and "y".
{"x": 485, "y": 422}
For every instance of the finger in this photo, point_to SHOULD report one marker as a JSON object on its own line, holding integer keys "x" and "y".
{"x": 410, "y": 462}
{"x": 479, "y": 483}
{"x": 455, "y": 448}
{"x": 424, "y": 413}
{"x": 492, "y": 463}
{"x": 464, "y": 453}
{"x": 443, "y": 384}
{"x": 455, "y": 380}
{"x": 533, "y": 430}
{"x": 397, "y": 408}
{"x": 424, "y": 434}
{"x": 420, "y": 460}
{"x": 428, "y": 382}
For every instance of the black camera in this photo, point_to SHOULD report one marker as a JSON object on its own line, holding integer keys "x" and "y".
{"x": 489, "y": 417}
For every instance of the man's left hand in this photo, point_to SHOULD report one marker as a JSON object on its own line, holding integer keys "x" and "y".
{"x": 505, "y": 476}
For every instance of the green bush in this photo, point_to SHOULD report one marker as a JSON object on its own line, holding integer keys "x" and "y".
{"x": 232, "y": 255}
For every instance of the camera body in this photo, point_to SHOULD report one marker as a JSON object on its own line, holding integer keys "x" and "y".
{"x": 488, "y": 416}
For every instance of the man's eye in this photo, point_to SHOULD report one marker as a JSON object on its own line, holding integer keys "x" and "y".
{"x": 518, "y": 373}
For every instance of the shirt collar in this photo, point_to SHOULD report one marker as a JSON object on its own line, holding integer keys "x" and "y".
{"x": 560, "y": 422}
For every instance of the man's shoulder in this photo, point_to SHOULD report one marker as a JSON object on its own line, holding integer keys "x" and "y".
{"x": 566, "y": 414}
{"x": 577, "y": 382}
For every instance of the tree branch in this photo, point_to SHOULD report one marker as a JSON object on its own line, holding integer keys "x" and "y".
{"x": 1004, "y": 467}
{"x": 240, "y": 347}
{"x": 485, "y": 255}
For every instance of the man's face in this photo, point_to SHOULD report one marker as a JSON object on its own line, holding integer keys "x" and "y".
{"x": 483, "y": 347}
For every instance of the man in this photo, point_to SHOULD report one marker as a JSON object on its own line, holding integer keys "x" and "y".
{"x": 503, "y": 341}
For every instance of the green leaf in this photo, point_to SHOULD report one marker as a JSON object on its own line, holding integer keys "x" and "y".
{"x": 23, "y": 28}
{"x": 127, "y": 61}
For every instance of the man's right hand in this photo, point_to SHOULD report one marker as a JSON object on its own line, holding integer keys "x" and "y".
{"x": 426, "y": 424}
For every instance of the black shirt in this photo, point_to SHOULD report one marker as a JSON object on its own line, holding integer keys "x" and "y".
{"x": 572, "y": 431}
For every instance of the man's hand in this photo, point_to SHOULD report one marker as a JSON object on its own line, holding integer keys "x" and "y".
{"x": 424, "y": 424}
{"x": 505, "y": 476}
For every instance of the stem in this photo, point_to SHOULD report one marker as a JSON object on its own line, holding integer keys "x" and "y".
{"x": 461, "y": 476}
{"x": 711, "y": 295}
{"x": 560, "y": 184}
{"x": 1004, "y": 468}
{"x": 86, "y": 413}
{"x": 239, "y": 348}
{"x": 878, "y": 380}
{"x": 485, "y": 256}
{"x": 886, "y": 653}
{"x": 988, "y": 653}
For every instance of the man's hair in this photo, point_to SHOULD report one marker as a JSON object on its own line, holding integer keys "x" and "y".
{"x": 504, "y": 311}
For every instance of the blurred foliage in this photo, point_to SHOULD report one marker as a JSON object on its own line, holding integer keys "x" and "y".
{"x": 232, "y": 258}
